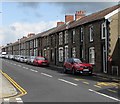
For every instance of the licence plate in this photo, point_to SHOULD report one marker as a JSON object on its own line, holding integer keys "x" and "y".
{"x": 43, "y": 63}
{"x": 86, "y": 70}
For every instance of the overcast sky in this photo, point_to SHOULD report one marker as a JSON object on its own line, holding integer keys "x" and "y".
{"x": 20, "y": 18}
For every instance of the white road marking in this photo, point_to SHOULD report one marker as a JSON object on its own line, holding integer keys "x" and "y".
{"x": 86, "y": 82}
{"x": 97, "y": 86}
{"x": 104, "y": 95}
{"x": 68, "y": 82}
{"x": 19, "y": 65}
{"x": 19, "y": 100}
{"x": 24, "y": 67}
{"x": 47, "y": 75}
{"x": 6, "y": 101}
{"x": 34, "y": 70}
{"x": 14, "y": 64}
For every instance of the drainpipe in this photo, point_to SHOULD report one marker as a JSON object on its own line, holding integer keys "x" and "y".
{"x": 106, "y": 44}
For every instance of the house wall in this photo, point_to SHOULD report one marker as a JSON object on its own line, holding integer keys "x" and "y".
{"x": 114, "y": 44}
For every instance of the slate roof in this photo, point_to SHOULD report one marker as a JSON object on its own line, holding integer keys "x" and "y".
{"x": 95, "y": 16}
{"x": 90, "y": 18}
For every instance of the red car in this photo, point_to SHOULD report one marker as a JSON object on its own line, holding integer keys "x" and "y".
{"x": 75, "y": 65}
{"x": 40, "y": 61}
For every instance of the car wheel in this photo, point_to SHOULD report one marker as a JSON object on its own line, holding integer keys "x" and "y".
{"x": 73, "y": 71}
{"x": 90, "y": 74}
{"x": 65, "y": 70}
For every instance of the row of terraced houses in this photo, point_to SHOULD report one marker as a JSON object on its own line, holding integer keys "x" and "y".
{"x": 94, "y": 38}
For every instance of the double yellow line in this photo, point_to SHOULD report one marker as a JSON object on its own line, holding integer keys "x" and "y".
{"x": 15, "y": 84}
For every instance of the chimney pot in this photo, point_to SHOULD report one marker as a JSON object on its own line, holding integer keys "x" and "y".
{"x": 30, "y": 35}
{"x": 79, "y": 14}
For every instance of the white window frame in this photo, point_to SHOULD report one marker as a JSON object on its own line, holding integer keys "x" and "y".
{"x": 60, "y": 38}
{"x": 91, "y": 33}
{"x": 44, "y": 52}
{"x": 66, "y": 37}
{"x": 74, "y": 52}
{"x": 61, "y": 54}
{"x": 73, "y": 35}
{"x": 47, "y": 39}
{"x": 81, "y": 34}
{"x": 66, "y": 52}
{"x": 103, "y": 25}
{"x": 92, "y": 54}
{"x": 36, "y": 42}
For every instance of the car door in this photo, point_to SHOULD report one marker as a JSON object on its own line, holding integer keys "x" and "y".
{"x": 67, "y": 64}
{"x": 71, "y": 64}
{"x": 35, "y": 61}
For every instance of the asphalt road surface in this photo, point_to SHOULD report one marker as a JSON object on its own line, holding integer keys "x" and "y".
{"x": 45, "y": 85}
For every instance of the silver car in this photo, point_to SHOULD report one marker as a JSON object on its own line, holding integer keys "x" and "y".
{"x": 30, "y": 59}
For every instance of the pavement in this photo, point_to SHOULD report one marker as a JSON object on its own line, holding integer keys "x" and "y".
{"x": 113, "y": 78}
{"x": 7, "y": 89}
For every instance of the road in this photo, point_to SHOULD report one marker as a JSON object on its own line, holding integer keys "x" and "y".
{"x": 45, "y": 85}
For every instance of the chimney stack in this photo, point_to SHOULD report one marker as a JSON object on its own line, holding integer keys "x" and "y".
{"x": 69, "y": 18}
{"x": 60, "y": 23}
{"x": 30, "y": 35}
{"x": 79, "y": 14}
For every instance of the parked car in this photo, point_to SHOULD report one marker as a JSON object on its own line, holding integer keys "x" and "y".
{"x": 25, "y": 59}
{"x": 75, "y": 65}
{"x": 30, "y": 59}
{"x": 11, "y": 57}
{"x": 17, "y": 57}
{"x": 21, "y": 58}
{"x": 6, "y": 56}
{"x": 40, "y": 61}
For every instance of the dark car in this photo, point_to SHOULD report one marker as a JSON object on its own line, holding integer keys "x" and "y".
{"x": 75, "y": 65}
{"x": 40, "y": 61}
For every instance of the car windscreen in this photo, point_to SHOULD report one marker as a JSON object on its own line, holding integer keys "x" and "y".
{"x": 41, "y": 58}
{"x": 77, "y": 61}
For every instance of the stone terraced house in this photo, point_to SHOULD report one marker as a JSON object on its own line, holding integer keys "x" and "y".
{"x": 94, "y": 38}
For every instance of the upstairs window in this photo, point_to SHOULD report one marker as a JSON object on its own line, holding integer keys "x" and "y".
{"x": 73, "y": 36}
{"x": 51, "y": 40}
{"x": 60, "y": 38}
{"x": 66, "y": 37}
{"x": 47, "y": 41}
{"x": 36, "y": 42}
{"x": 103, "y": 30}
{"x": 81, "y": 34}
{"x": 91, "y": 33}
